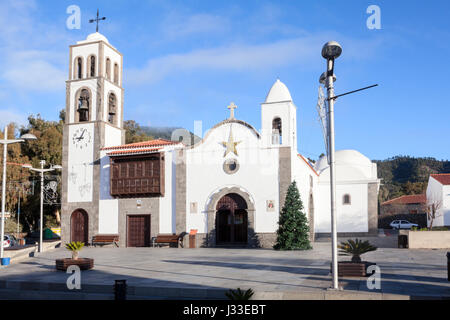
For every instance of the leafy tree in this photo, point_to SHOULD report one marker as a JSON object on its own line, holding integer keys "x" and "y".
{"x": 134, "y": 132}
{"x": 16, "y": 176}
{"x": 293, "y": 230}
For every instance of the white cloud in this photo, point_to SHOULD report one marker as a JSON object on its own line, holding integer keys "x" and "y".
{"x": 7, "y": 116}
{"x": 35, "y": 74}
{"x": 23, "y": 67}
{"x": 175, "y": 25}
{"x": 243, "y": 57}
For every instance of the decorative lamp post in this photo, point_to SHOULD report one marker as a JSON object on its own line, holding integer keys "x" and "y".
{"x": 330, "y": 51}
{"x": 41, "y": 172}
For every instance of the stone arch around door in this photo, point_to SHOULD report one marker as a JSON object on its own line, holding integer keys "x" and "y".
{"x": 211, "y": 209}
{"x": 79, "y": 226}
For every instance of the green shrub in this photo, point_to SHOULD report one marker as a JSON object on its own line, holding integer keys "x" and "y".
{"x": 239, "y": 294}
{"x": 355, "y": 249}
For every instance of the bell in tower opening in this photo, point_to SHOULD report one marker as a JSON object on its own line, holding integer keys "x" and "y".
{"x": 276, "y": 131}
{"x": 112, "y": 108}
{"x": 83, "y": 106}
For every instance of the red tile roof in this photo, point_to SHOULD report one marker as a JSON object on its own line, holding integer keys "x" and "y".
{"x": 443, "y": 178}
{"x": 307, "y": 162}
{"x": 143, "y": 144}
{"x": 411, "y": 199}
{"x": 136, "y": 151}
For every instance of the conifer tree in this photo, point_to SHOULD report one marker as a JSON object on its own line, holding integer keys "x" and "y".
{"x": 293, "y": 230}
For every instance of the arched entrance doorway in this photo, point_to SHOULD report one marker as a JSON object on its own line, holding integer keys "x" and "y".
{"x": 79, "y": 226}
{"x": 231, "y": 220}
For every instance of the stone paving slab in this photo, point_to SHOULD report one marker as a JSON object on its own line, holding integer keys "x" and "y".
{"x": 173, "y": 272}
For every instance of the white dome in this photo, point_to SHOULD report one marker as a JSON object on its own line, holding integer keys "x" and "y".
{"x": 357, "y": 165}
{"x": 96, "y": 36}
{"x": 279, "y": 92}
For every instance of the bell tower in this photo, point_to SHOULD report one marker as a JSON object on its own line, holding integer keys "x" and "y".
{"x": 94, "y": 120}
{"x": 279, "y": 118}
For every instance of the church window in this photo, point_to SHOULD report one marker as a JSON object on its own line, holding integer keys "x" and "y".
{"x": 346, "y": 199}
{"x": 83, "y": 105}
{"x": 79, "y": 68}
{"x": 116, "y": 73}
{"x": 276, "y": 131}
{"x": 92, "y": 66}
{"x": 137, "y": 176}
{"x": 231, "y": 166}
{"x": 112, "y": 108}
{"x": 108, "y": 69}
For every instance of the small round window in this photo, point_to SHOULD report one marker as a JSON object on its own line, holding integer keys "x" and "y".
{"x": 231, "y": 166}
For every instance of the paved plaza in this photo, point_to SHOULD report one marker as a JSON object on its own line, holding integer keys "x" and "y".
{"x": 208, "y": 272}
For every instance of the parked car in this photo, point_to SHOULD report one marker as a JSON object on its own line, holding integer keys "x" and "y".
{"x": 402, "y": 224}
{"x": 9, "y": 241}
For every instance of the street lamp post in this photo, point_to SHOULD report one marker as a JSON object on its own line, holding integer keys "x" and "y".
{"x": 330, "y": 51}
{"x": 5, "y": 143}
{"x": 41, "y": 172}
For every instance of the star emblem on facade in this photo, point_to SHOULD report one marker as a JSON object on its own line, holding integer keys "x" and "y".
{"x": 230, "y": 145}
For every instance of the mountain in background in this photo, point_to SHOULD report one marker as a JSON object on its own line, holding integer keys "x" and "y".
{"x": 136, "y": 133}
{"x": 404, "y": 175}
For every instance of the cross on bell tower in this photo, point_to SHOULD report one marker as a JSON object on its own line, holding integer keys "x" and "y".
{"x": 97, "y": 20}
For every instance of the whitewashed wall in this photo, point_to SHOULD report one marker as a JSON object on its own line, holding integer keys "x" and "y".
{"x": 350, "y": 218}
{"x": 80, "y": 167}
{"x": 302, "y": 174}
{"x": 438, "y": 193}
{"x": 113, "y": 136}
{"x": 166, "y": 204}
{"x": 446, "y": 206}
{"x": 257, "y": 175}
{"x": 108, "y": 217}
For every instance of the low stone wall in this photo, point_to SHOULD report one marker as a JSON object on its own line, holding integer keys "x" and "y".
{"x": 24, "y": 252}
{"x": 428, "y": 239}
{"x": 259, "y": 240}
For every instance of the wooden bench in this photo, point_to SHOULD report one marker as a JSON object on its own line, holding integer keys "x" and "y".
{"x": 102, "y": 239}
{"x": 170, "y": 239}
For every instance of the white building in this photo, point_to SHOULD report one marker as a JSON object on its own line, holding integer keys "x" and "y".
{"x": 229, "y": 187}
{"x": 438, "y": 194}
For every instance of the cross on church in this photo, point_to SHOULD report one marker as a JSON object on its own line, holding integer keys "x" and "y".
{"x": 232, "y": 106}
{"x": 97, "y": 20}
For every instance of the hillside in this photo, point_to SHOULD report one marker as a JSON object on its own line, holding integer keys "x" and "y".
{"x": 403, "y": 175}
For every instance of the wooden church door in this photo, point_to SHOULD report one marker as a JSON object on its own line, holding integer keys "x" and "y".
{"x": 79, "y": 226}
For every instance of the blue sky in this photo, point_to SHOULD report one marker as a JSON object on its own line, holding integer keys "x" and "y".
{"x": 187, "y": 60}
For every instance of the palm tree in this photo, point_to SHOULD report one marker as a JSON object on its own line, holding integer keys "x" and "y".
{"x": 355, "y": 249}
{"x": 75, "y": 247}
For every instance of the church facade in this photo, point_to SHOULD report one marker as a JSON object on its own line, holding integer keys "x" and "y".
{"x": 228, "y": 188}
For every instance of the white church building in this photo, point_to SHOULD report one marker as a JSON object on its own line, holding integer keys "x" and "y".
{"x": 229, "y": 187}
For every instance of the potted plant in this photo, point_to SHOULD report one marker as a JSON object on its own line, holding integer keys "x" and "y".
{"x": 82, "y": 263}
{"x": 354, "y": 248}
{"x": 75, "y": 247}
